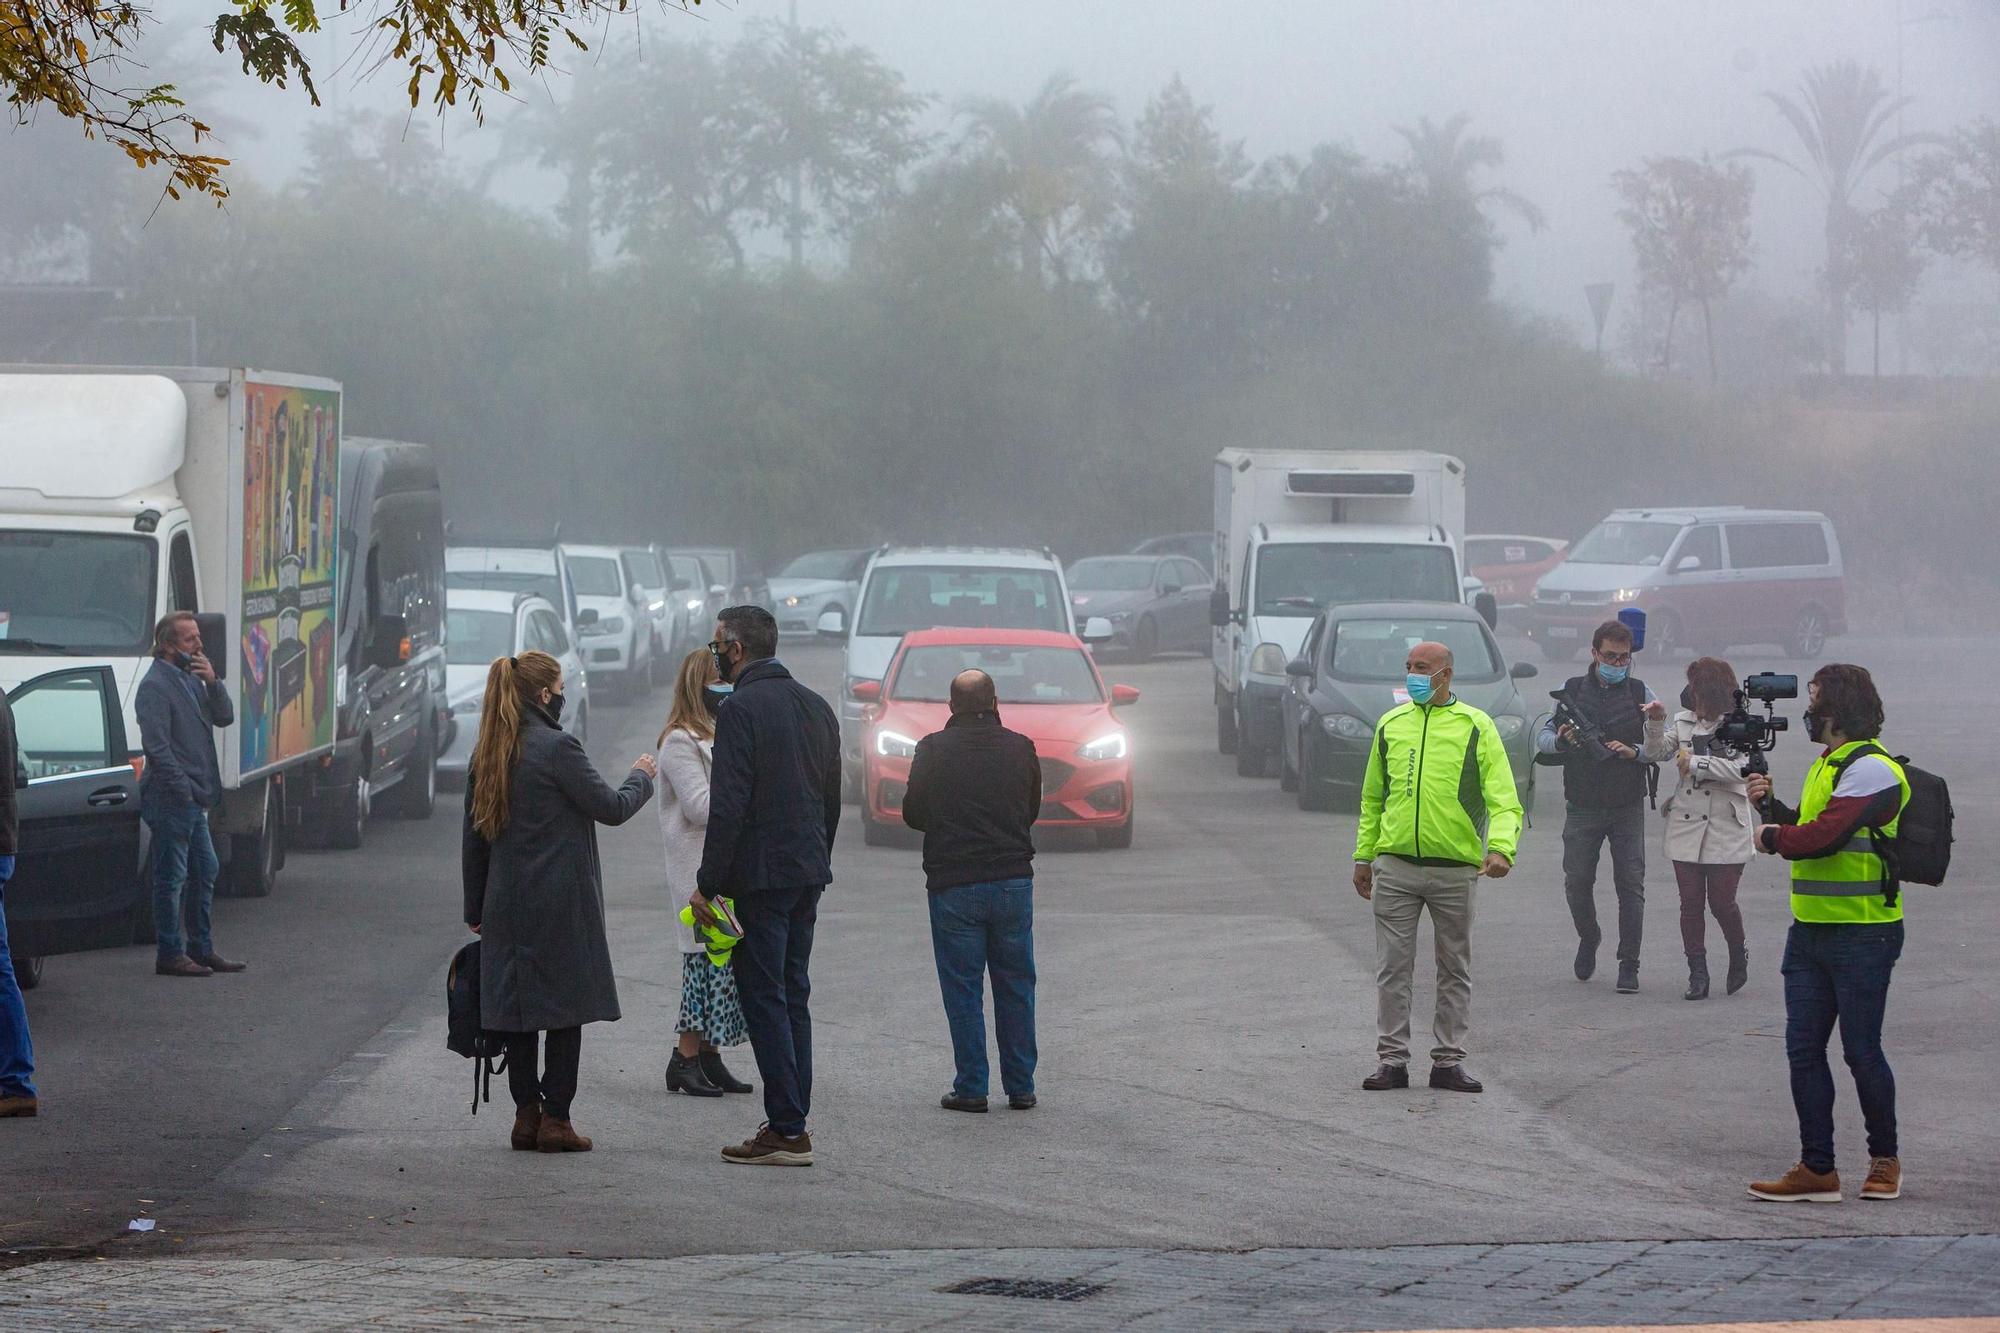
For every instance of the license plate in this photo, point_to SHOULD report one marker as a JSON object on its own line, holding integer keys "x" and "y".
{"x": 1560, "y": 632}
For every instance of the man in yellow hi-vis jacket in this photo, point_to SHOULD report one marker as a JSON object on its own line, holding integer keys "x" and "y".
{"x": 1438, "y": 810}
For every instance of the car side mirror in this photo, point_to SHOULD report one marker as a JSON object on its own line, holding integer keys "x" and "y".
{"x": 1523, "y": 671}
{"x": 388, "y": 644}
{"x": 1169, "y": 588}
{"x": 1687, "y": 563}
{"x": 1097, "y": 630}
{"x": 1218, "y": 607}
{"x": 865, "y": 691}
{"x": 832, "y": 625}
{"x": 1488, "y": 607}
{"x": 214, "y": 627}
{"x": 1121, "y": 695}
{"x": 1299, "y": 666}
{"x": 587, "y": 616}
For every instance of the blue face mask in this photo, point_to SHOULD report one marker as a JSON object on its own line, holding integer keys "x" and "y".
{"x": 713, "y": 693}
{"x": 1419, "y": 687}
{"x": 1612, "y": 675}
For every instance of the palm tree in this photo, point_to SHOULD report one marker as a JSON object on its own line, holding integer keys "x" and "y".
{"x": 1051, "y": 163}
{"x": 1842, "y": 119}
{"x": 1446, "y": 159}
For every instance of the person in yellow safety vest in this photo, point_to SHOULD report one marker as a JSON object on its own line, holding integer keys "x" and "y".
{"x": 1847, "y": 932}
{"x": 1438, "y": 810}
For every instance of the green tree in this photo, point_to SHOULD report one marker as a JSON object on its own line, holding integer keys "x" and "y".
{"x": 1954, "y": 194}
{"x": 1842, "y": 118}
{"x": 1690, "y": 225}
{"x": 1449, "y": 162}
{"x": 1878, "y": 268}
{"x": 1051, "y": 162}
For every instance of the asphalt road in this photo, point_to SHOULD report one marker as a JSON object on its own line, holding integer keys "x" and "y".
{"x": 1206, "y": 1015}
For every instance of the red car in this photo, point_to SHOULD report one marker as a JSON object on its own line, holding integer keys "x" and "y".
{"x": 1049, "y": 691}
{"x": 1510, "y": 567}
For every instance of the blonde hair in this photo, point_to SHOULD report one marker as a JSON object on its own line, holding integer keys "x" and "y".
{"x": 688, "y": 712}
{"x": 511, "y": 685}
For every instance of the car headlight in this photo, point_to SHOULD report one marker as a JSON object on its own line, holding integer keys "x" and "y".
{"x": 894, "y": 745}
{"x": 794, "y": 600}
{"x": 1509, "y": 725}
{"x": 1347, "y": 726}
{"x": 1268, "y": 660}
{"x": 694, "y": 603}
{"x": 1627, "y": 594}
{"x": 1111, "y": 746}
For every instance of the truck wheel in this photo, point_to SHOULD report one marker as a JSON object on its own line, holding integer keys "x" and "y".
{"x": 343, "y": 819}
{"x": 1225, "y": 728}
{"x": 28, "y": 972}
{"x": 255, "y": 858}
{"x": 416, "y": 795}
{"x": 1251, "y": 760}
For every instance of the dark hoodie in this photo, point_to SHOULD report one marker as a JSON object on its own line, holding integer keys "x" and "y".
{"x": 975, "y": 793}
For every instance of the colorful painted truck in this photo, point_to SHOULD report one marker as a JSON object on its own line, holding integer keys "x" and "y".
{"x": 125, "y": 494}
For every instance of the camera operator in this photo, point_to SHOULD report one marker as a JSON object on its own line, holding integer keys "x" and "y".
{"x": 1604, "y": 794}
{"x": 1847, "y": 932}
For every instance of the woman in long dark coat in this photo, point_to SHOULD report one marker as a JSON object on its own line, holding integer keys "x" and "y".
{"x": 532, "y": 889}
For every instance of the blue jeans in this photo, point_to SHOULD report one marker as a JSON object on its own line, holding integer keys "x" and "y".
{"x": 771, "y": 965}
{"x": 184, "y": 870}
{"x": 1839, "y": 974}
{"x": 17, "y": 1052}
{"x": 976, "y": 929}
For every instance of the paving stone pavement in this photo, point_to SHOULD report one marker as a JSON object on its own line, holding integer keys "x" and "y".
{"x": 1953, "y": 1279}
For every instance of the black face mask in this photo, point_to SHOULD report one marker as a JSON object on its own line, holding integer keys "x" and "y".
{"x": 723, "y": 666}
{"x": 1814, "y": 721}
{"x": 554, "y": 705}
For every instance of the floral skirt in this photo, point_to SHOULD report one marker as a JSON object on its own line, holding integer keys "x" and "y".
{"x": 709, "y": 1004}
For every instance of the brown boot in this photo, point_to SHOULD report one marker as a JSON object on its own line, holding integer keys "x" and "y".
{"x": 1799, "y": 1185}
{"x": 1885, "y": 1178}
{"x": 527, "y": 1126}
{"x": 559, "y": 1136}
{"x": 21, "y": 1106}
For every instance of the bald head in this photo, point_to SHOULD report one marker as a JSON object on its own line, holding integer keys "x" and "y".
{"x": 1433, "y": 660}
{"x": 972, "y": 692}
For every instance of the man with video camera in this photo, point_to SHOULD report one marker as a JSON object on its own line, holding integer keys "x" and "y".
{"x": 1847, "y": 931}
{"x": 1607, "y": 732}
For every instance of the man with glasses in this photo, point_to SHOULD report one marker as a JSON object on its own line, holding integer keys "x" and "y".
{"x": 1604, "y": 794}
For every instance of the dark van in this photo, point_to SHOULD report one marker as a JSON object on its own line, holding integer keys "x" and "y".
{"x": 390, "y": 678}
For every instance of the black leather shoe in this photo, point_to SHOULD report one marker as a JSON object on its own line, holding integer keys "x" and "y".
{"x": 1586, "y": 957}
{"x": 1453, "y": 1078}
{"x": 1628, "y": 978}
{"x": 953, "y": 1102}
{"x": 1388, "y": 1076}
{"x": 684, "y": 1075}
{"x": 1021, "y": 1101}
{"x": 718, "y": 1073}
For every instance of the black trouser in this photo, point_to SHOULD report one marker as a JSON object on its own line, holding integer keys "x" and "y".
{"x": 771, "y": 965}
{"x": 1586, "y": 828}
{"x": 556, "y": 1088}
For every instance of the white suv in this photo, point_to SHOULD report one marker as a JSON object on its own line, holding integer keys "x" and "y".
{"x": 613, "y": 624}
{"x": 928, "y": 587}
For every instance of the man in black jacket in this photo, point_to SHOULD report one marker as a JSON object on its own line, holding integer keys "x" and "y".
{"x": 975, "y": 793}
{"x": 773, "y": 804}
{"x": 17, "y": 1053}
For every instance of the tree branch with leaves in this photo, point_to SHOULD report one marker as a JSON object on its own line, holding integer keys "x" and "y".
{"x": 1690, "y": 225}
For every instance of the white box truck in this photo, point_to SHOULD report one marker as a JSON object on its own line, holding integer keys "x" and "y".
{"x": 128, "y": 493}
{"x": 1297, "y": 530}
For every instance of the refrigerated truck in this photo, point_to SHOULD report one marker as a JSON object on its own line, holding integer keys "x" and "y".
{"x": 126, "y": 493}
{"x": 1297, "y": 530}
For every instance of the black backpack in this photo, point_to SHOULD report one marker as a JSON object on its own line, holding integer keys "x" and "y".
{"x": 463, "y": 1033}
{"x": 1920, "y": 853}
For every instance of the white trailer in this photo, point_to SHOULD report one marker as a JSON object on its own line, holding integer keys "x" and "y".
{"x": 1297, "y": 530}
{"x": 128, "y": 493}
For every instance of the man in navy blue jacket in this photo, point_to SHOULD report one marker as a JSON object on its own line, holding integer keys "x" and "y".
{"x": 773, "y": 805}
{"x": 180, "y": 704}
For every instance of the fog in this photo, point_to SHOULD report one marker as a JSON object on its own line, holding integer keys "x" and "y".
{"x": 755, "y": 420}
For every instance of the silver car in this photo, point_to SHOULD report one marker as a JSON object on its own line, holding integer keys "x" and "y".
{"x": 1155, "y": 603}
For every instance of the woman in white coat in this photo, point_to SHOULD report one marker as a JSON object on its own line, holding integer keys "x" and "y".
{"x": 1710, "y": 825}
{"x": 711, "y": 1016}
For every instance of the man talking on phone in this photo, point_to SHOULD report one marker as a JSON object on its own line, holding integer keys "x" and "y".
{"x": 180, "y": 704}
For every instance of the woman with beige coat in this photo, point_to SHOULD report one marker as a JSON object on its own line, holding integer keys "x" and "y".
{"x": 1710, "y": 825}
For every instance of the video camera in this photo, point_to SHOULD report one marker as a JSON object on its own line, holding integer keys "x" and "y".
{"x": 1742, "y": 730}
{"x": 1589, "y": 736}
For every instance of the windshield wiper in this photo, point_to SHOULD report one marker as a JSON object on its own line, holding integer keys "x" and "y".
{"x": 15, "y": 645}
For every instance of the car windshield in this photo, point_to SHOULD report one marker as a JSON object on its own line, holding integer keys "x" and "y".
{"x": 832, "y": 565}
{"x": 1297, "y": 578}
{"x": 1111, "y": 576}
{"x": 1021, "y": 675}
{"x": 640, "y": 569}
{"x": 911, "y": 597}
{"x": 80, "y": 592}
{"x": 505, "y": 580}
{"x": 1378, "y": 650}
{"x": 595, "y": 576}
{"x": 1618, "y": 541}
{"x": 474, "y": 638}
{"x": 690, "y": 570}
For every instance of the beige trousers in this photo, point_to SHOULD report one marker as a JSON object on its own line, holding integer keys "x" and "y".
{"x": 1403, "y": 890}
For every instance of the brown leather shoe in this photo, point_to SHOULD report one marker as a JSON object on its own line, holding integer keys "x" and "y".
{"x": 180, "y": 965}
{"x": 555, "y": 1135}
{"x": 13, "y": 1107}
{"x": 1799, "y": 1185}
{"x": 1885, "y": 1177}
{"x": 527, "y": 1127}
{"x": 770, "y": 1148}
{"x": 215, "y": 962}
